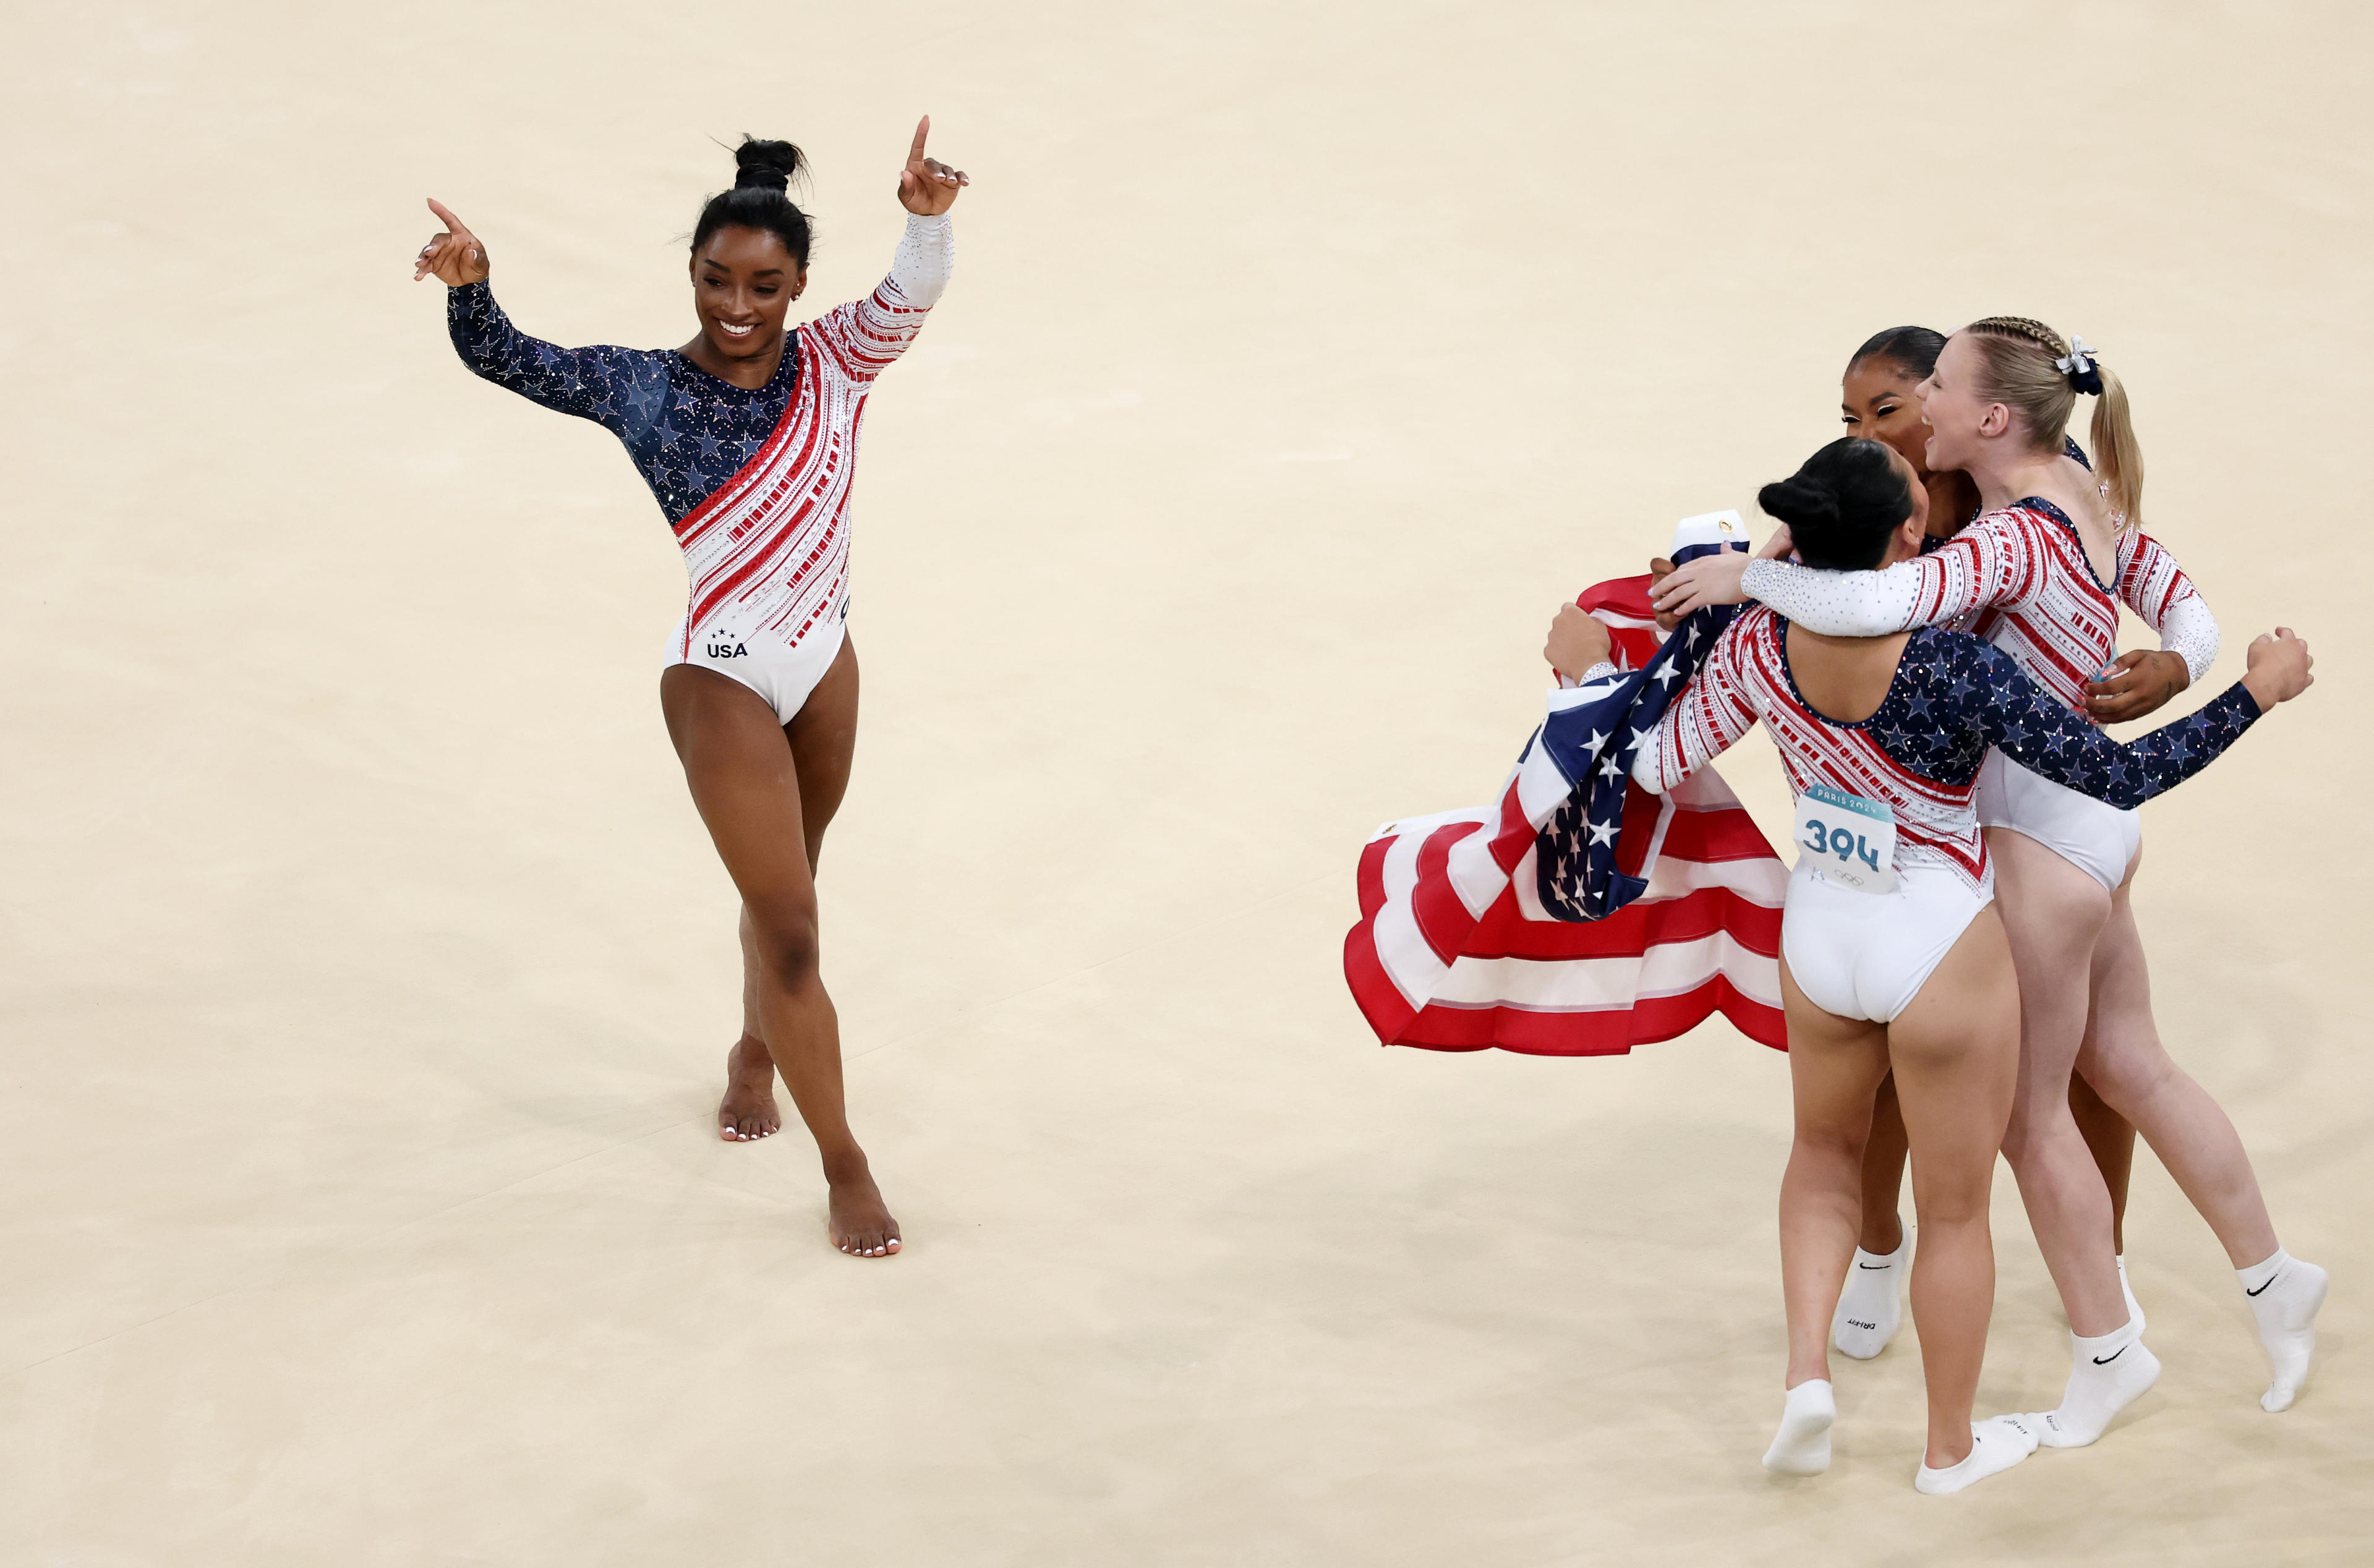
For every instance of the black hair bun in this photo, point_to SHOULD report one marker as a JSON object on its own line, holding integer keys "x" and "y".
{"x": 1799, "y": 505}
{"x": 1841, "y": 505}
{"x": 766, "y": 166}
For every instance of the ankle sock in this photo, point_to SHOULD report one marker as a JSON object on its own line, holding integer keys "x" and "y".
{"x": 2285, "y": 1295}
{"x": 1802, "y": 1447}
{"x": 2107, "y": 1373}
{"x": 1872, "y": 1304}
{"x": 1996, "y": 1444}
{"x": 2134, "y": 1308}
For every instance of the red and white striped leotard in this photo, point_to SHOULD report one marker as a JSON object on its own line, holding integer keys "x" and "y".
{"x": 2019, "y": 577}
{"x": 767, "y": 552}
{"x": 1745, "y": 678}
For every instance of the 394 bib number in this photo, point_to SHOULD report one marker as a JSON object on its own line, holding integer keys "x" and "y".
{"x": 1849, "y": 839}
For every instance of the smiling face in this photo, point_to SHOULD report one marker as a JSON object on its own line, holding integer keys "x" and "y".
{"x": 1957, "y": 417}
{"x": 742, "y": 282}
{"x": 1876, "y": 401}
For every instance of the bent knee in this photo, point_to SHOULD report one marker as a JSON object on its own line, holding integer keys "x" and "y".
{"x": 787, "y": 946}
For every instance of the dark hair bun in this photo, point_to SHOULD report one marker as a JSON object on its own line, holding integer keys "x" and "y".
{"x": 760, "y": 198}
{"x": 766, "y": 166}
{"x": 1799, "y": 504}
{"x": 1841, "y": 505}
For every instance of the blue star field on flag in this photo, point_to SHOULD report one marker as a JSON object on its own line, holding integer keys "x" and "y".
{"x": 1594, "y": 743}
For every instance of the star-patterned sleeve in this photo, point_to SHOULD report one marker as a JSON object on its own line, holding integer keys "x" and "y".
{"x": 2155, "y": 588}
{"x": 1993, "y": 561}
{"x": 860, "y": 339}
{"x": 603, "y": 384}
{"x": 2044, "y": 737}
{"x": 1710, "y": 716}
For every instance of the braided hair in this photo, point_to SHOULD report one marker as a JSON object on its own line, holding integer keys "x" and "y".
{"x": 760, "y": 199}
{"x": 2017, "y": 369}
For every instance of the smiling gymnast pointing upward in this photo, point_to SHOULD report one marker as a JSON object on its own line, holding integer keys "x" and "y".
{"x": 747, "y": 435}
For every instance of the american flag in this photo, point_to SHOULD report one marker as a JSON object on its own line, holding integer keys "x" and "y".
{"x": 1637, "y": 917}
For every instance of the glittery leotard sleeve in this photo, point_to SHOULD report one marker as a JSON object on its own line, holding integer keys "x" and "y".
{"x": 686, "y": 431}
{"x": 1994, "y": 562}
{"x": 2155, "y": 588}
{"x": 1710, "y": 716}
{"x": 2017, "y": 719}
{"x": 598, "y": 383}
{"x": 860, "y": 339}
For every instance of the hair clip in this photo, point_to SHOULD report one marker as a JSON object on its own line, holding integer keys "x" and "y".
{"x": 2078, "y": 366}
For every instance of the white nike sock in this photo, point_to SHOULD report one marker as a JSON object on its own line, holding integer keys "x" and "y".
{"x": 1802, "y": 1447}
{"x": 2284, "y": 1295}
{"x": 1996, "y": 1444}
{"x": 2134, "y": 1307}
{"x": 1872, "y": 1304}
{"x": 2107, "y": 1373}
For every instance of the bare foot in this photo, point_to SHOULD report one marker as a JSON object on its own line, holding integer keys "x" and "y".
{"x": 749, "y": 1109}
{"x": 861, "y": 1222}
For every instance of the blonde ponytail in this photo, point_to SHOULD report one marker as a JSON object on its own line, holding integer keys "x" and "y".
{"x": 2117, "y": 457}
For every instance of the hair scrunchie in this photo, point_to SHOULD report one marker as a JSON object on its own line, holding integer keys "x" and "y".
{"x": 2079, "y": 367}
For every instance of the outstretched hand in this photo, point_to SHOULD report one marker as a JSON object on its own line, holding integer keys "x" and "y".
{"x": 454, "y": 256}
{"x": 926, "y": 186}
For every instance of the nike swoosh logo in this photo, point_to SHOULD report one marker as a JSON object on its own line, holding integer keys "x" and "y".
{"x": 1891, "y": 1266}
{"x": 2261, "y": 1287}
{"x": 2105, "y": 1361}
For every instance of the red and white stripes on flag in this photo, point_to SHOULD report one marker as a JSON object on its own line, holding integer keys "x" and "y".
{"x": 1455, "y": 952}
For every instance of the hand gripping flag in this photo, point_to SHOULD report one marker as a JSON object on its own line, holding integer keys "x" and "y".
{"x": 1581, "y": 916}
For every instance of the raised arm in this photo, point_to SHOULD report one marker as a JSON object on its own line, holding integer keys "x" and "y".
{"x": 864, "y": 335}
{"x": 590, "y": 383}
{"x": 2045, "y": 737}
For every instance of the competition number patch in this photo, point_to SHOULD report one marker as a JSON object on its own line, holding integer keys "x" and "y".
{"x": 1849, "y": 839}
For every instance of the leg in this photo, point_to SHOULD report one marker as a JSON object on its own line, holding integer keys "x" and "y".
{"x": 1955, "y": 1054}
{"x": 2052, "y": 913}
{"x": 739, "y": 764}
{"x": 2128, "y": 1066}
{"x": 2197, "y": 1143}
{"x": 1883, "y": 1174}
{"x": 1834, "y": 1064}
{"x": 823, "y": 737}
{"x": 1871, "y": 1307}
{"x": 2110, "y": 1137}
{"x": 747, "y": 1110}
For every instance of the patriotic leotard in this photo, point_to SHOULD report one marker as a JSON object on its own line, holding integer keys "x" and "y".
{"x": 755, "y": 482}
{"x": 1920, "y": 751}
{"x": 2019, "y": 577}
{"x": 1952, "y": 699}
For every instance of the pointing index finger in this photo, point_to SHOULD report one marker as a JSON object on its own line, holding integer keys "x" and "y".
{"x": 922, "y": 129}
{"x": 452, "y": 222}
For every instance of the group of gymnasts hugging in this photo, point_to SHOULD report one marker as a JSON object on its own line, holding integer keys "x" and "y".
{"x": 1932, "y": 648}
